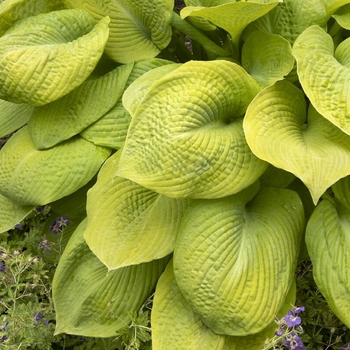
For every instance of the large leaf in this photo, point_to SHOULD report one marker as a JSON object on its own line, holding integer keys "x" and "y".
{"x": 13, "y": 116}
{"x": 111, "y": 129}
{"x": 91, "y": 301}
{"x": 11, "y": 214}
{"x": 324, "y": 78}
{"x": 186, "y": 138}
{"x": 333, "y": 5}
{"x": 290, "y": 18}
{"x": 233, "y": 16}
{"x": 139, "y": 30}
{"x": 32, "y": 177}
{"x": 267, "y": 57}
{"x": 46, "y": 56}
{"x": 341, "y": 190}
{"x": 328, "y": 243}
{"x": 13, "y": 10}
{"x": 235, "y": 257}
{"x": 67, "y": 116}
{"x": 288, "y": 137}
{"x": 176, "y": 326}
{"x": 127, "y": 223}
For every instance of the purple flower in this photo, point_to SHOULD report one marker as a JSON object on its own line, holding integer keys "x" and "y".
{"x": 3, "y": 338}
{"x": 291, "y": 319}
{"x": 37, "y": 317}
{"x": 345, "y": 346}
{"x": 279, "y": 332}
{"x": 43, "y": 244}
{"x": 293, "y": 342}
{"x": 19, "y": 226}
{"x": 2, "y": 267}
{"x": 59, "y": 224}
{"x": 299, "y": 309}
{"x": 3, "y": 328}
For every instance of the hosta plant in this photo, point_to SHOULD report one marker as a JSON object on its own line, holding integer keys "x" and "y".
{"x": 199, "y": 155}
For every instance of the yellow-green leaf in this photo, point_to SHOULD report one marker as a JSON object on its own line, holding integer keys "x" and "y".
{"x": 186, "y": 137}
{"x": 293, "y": 139}
{"x": 33, "y": 177}
{"x": 44, "y": 57}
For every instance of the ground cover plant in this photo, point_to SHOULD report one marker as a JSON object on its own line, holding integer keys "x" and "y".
{"x": 200, "y": 156}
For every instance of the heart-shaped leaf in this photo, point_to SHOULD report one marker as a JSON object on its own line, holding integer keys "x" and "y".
{"x": 67, "y": 116}
{"x": 235, "y": 257}
{"x": 307, "y": 145}
{"x": 324, "y": 79}
{"x": 13, "y": 116}
{"x": 127, "y": 223}
{"x": 333, "y": 5}
{"x": 328, "y": 244}
{"x": 186, "y": 138}
{"x": 46, "y": 56}
{"x": 139, "y": 30}
{"x": 32, "y": 177}
{"x": 342, "y": 16}
{"x": 13, "y": 10}
{"x": 93, "y": 302}
{"x": 267, "y": 57}
{"x": 341, "y": 190}
{"x": 11, "y": 214}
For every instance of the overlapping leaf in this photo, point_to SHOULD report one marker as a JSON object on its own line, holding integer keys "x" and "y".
{"x": 186, "y": 137}
{"x": 44, "y": 57}
{"x": 235, "y": 257}
{"x": 139, "y": 30}
{"x": 13, "y": 116}
{"x": 32, "y": 177}
{"x": 13, "y": 10}
{"x": 324, "y": 79}
{"x": 127, "y": 223}
{"x": 328, "y": 243}
{"x": 67, "y": 116}
{"x": 303, "y": 143}
{"x": 91, "y": 301}
{"x": 267, "y": 57}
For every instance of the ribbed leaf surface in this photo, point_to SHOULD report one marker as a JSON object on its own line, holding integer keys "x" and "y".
{"x": 91, "y": 301}
{"x": 32, "y": 177}
{"x": 186, "y": 137}
{"x": 306, "y": 145}
{"x": 46, "y": 56}
{"x": 235, "y": 257}
{"x": 127, "y": 223}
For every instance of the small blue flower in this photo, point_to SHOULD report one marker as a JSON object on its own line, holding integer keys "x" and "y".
{"x": 37, "y": 317}
{"x": 298, "y": 310}
{"x": 280, "y": 332}
{"x": 3, "y": 328}
{"x": 345, "y": 346}
{"x": 43, "y": 245}
{"x": 2, "y": 267}
{"x": 3, "y": 338}
{"x": 293, "y": 342}
{"x": 59, "y": 224}
{"x": 292, "y": 320}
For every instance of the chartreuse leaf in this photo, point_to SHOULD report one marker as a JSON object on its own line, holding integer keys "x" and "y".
{"x": 276, "y": 177}
{"x": 11, "y": 214}
{"x": 328, "y": 244}
{"x": 341, "y": 190}
{"x": 111, "y": 129}
{"x": 91, "y": 301}
{"x": 342, "y": 16}
{"x": 323, "y": 77}
{"x": 32, "y": 177}
{"x": 13, "y": 116}
{"x": 186, "y": 138}
{"x": 13, "y": 10}
{"x": 139, "y": 30}
{"x": 235, "y": 257}
{"x": 333, "y": 5}
{"x": 127, "y": 223}
{"x": 267, "y": 57}
{"x": 307, "y": 145}
{"x": 232, "y": 16}
{"x": 46, "y": 56}
{"x": 67, "y": 116}
{"x": 290, "y": 18}
{"x": 176, "y": 326}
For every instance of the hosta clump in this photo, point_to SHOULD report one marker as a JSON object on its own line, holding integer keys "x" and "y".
{"x": 188, "y": 151}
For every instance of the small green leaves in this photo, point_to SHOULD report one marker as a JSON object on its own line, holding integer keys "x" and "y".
{"x": 127, "y": 223}
{"x": 46, "y": 56}
{"x": 186, "y": 137}
{"x": 91, "y": 301}
{"x": 328, "y": 243}
{"x": 32, "y": 177}
{"x": 306, "y": 145}
{"x": 324, "y": 79}
{"x": 139, "y": 30}
{"x": 235, "y": 257}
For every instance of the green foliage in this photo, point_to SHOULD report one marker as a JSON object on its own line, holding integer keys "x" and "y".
{"x": 169, "y": 140}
